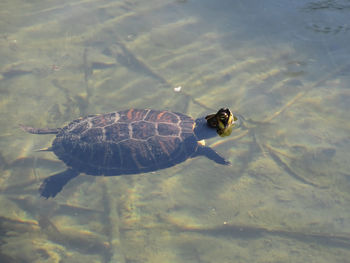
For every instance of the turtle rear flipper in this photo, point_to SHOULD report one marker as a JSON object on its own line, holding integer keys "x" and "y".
{"x": 39, "y": 130}
{"x": 54, "y": 184}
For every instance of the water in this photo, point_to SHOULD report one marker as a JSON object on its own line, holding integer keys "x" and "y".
{"x": 282, "y": 66}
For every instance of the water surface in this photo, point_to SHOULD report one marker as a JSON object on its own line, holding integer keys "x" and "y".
{"x": 282, "y": 66}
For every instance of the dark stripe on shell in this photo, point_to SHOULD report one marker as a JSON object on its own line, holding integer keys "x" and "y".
{"x": 128, "y": 148}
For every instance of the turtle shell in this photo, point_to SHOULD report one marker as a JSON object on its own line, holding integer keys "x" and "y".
{"x": 125, "y": 142}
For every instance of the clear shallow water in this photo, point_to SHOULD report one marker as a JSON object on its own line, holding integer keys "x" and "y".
{"x": 284, "y": 67}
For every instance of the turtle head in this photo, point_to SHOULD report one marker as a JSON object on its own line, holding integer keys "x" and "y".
{"x": 220, "y": 123}
{"x": 223, "y": 121}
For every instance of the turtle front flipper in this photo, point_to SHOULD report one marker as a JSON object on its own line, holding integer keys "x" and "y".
{"x": 39, "y": 130}
{"x": 54, "y": 184}
{"x": 211, "y": 154}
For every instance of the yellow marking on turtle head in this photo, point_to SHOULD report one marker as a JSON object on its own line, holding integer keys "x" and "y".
{"x": 201, "y": 142}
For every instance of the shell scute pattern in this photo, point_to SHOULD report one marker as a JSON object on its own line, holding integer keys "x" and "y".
{"x": 92, "y": 135}
{"x": 79, "y": 128}
{"x": 168, "y": 129}
{"x": 135, "y": 154}
{"x": 142, "y": 130}
{"x": 103, "y": 120}
{"x": 164, "y": 149}
{"x": 117, "y": 132}
{"x": 78, "y": 124}
{"x": 132, "y": 115}
{"x": 126, "y": 142}
{"x": 164, "y": 116}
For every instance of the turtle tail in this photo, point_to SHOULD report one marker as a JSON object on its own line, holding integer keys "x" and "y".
{"x": 40, "y": 130}
{"x": 54, "y": 184}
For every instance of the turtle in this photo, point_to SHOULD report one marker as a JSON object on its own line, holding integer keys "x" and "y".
{"x": 130, "y": 141}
